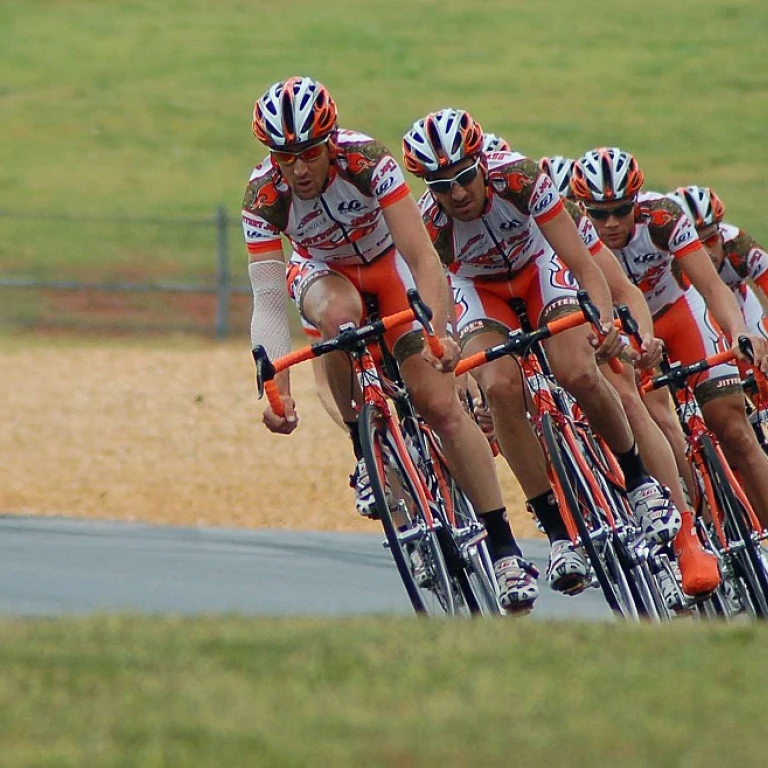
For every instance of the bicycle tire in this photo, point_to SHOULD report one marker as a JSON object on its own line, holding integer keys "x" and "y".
{"x": 577, "y": 499}
{"x": 408, "y": 534}
{"x": 746, "y": 560}
{"x": 471, "y": 560}
{"x": 634, "y": 553}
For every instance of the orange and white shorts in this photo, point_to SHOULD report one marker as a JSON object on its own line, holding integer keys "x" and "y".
{"x": 545, "y": 286}
{"x": 387, "y": 279}
{"x": 690, "y": 333}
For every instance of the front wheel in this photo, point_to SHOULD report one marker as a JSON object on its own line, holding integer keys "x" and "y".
{"x": 400, "y": 504}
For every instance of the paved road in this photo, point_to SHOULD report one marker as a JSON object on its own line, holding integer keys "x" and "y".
{"x": 55, "y": 566}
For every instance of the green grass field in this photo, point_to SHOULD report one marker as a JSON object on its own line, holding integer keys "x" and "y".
{"x": 377, "y": 692}
{"x": 143, "y": 108}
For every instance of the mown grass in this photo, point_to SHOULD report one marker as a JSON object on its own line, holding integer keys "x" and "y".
{"x": 143, "y": 108}
{"x": 127, "y": 691}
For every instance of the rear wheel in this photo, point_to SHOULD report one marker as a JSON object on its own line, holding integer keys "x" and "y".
{"x": 414, "y": 547}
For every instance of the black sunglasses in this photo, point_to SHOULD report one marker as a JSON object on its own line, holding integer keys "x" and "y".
{"x": 602, "y": 214}
{"x": 462, "y": 178}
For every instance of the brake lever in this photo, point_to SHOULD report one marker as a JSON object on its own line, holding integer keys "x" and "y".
{"x": 265, "y": 371}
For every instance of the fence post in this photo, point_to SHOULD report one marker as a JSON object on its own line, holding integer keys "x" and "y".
{"x": 222, "y": 274}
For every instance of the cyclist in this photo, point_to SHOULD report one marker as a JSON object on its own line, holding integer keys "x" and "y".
{"x": 341, "y": 200}
{"x": 656, "y": 244}
{"x": 497, "y": 223}
{"x": 739, "y": 260}
{"x": 698, "y": 568}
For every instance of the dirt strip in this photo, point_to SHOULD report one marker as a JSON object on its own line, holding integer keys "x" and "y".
{"x": 171, "y": 436}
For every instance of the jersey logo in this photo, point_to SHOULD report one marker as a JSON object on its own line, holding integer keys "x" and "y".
{"x": 357, "y": 162}
{"x": 661, "y": 217}
{"x": 353, "y": 206}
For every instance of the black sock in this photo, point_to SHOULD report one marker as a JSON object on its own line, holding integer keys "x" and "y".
{"x": 544, "y": 506}
{"x": 632, "y": 467}
{"x": 501, "y": 542}
{"x": 355, "y": 435}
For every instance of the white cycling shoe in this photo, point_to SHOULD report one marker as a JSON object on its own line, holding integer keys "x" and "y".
{"x": 568, "y": 569}
{"x": 516, "y": 578}
{"x": 365, "y": 502}
{"x": 653, "y": 508}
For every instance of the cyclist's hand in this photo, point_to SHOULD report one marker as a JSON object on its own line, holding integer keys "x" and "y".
{"x": 650, "y": 352}
{"x": 759, "y": 350}
{"x": 611, "y": 346}
{"x": 282, "y": 425}
{"x": 483, "y": 417}
{"x": 450, "y": 358}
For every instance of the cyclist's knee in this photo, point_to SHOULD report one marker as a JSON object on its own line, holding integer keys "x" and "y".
{"x": 505, "y": 394}
{"x": 440, "y": 408}
{"x": 580, "y": 379}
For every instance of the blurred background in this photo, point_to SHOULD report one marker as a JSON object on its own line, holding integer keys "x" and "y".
{"x": 126, "y": 142}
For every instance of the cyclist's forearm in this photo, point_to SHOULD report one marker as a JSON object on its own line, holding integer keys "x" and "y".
{"x": 433, "y": 289}
{"x": 722, "y": 304}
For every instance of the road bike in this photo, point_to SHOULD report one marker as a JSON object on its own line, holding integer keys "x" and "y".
{"x": 584, "y": 473}
{"x": 432, "y": 531}
{"x": 725, "y": 519}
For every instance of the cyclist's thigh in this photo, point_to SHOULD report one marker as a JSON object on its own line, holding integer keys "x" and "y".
{"x": 690, "y": 333}
{"x": 324, "y": 297}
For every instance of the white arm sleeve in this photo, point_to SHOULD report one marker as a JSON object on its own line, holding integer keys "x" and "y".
{"x": 269, "y": 323}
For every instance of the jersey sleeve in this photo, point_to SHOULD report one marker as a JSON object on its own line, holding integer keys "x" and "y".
{"x": 670, "y": 228}
{"x": 753, "y": 257}
{"x": 264, "y": 215}
{"x": 370, "y": 166}
{"x": 586, "y": 229}
{"x": 529, "y": 189}
{"x": 439, "y": 228}
{"x": 388, "y": 182}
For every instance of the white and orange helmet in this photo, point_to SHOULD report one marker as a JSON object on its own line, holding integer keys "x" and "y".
{"x": 559, "y": 169}
{"x": 294, "y": 111}
{"x": 494, "y": 143}
{"x": 702, "y": 205}
{"x": 606, "y": 174}
{"x": 441, "y": 139}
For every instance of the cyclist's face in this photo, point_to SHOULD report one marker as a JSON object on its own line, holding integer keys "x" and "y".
{"x": 306, "y": 177}
{"x": 712, "y": 241}
{"x": 614, "y": 221}
{"x": 466, "y": 198}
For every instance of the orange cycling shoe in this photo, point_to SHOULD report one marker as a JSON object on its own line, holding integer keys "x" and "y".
{"x": 697, "y": 566}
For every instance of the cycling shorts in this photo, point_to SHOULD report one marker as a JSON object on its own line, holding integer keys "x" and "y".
{"x": 545, "y": 286}
{"x": 690, "y": 333}
{"x": 387, "y": 279}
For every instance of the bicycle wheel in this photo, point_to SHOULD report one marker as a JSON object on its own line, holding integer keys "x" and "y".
{"x": 577, "y": 502}
{"x": 464, "y": 537}
{"x": 743, "y": 546}
{"x": 414, "y": 546}
{"x": 639, "y": 563}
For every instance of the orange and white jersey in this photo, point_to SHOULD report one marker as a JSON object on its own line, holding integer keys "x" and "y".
{"x": 506, "y": 236}
{"x": 662, "y": 234}
{"x": 586, "y": 229}
{"x": 345, "y": 224}
{"x": 744, "y": 258}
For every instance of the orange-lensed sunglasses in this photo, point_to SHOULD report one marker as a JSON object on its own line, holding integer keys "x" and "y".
{"x": 308, "y": 155}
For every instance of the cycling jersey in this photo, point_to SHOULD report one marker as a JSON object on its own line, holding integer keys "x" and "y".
{"x": 662, "y": 234}
{"x": 344, "y": 225}
{"x": 506, "y": 236}
{"x": 744, "y": 258}
{"x": 586, "y": 229}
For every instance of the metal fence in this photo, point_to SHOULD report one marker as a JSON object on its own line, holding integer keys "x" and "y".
{"x": 222, "y": 287}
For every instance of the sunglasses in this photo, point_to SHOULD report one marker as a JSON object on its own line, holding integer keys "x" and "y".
{"x": 462, "y": 178}
{"x": 712, "y": 240}
{"x": 602, "y": 214}
{"x": 308, "y": 155}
